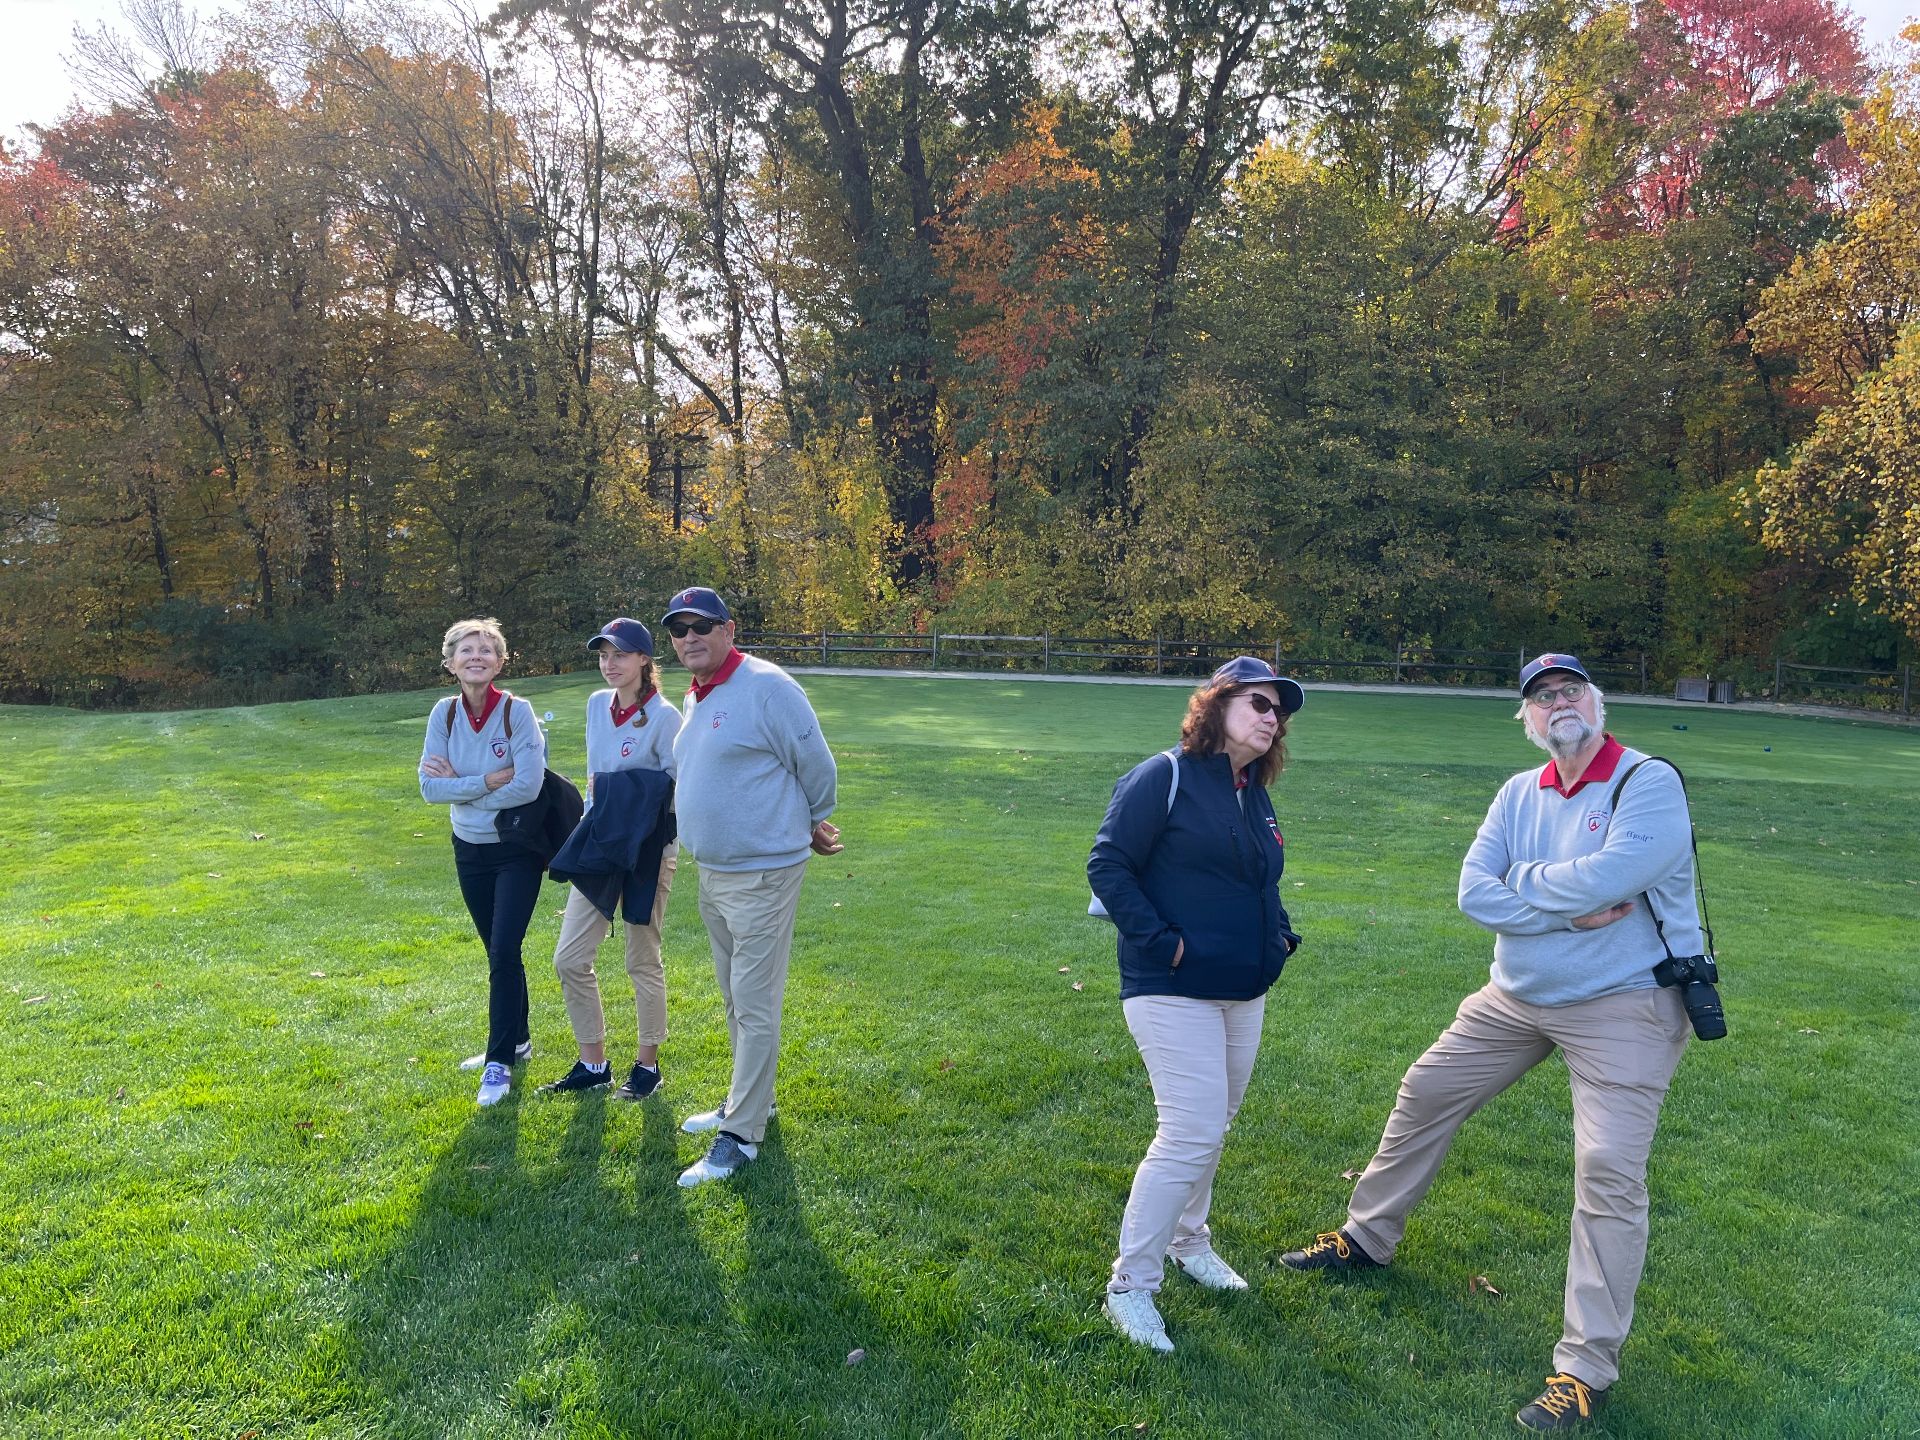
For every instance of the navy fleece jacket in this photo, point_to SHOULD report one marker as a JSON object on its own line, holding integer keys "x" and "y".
{"x": 1206, "y": 872}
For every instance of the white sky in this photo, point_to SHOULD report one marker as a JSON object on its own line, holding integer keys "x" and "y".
{"x": 36, "y": 35}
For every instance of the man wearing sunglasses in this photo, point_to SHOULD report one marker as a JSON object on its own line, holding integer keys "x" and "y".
{"x": 1563, "y": 882}
{"x": 756, "y": 784}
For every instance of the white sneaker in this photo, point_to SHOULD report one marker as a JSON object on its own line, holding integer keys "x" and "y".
{"x": 495, "y": 1081}
{"x": 713, "y": 1119}
{"x": 1135, "y": 1316}
{"x": 727, "y": 1156}
{"x": 520, "y": 1053}
{"x": 1209, "y": 1270}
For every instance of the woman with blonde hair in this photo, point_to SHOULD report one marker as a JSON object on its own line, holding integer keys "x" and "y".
{"x": 1187, "y": 864}
{"x": 484, "y": 753}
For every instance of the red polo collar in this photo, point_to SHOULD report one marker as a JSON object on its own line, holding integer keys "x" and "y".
{"x": 720, "y": 676}
{"x": 1599, "y": 770}
{"x": 624, "y": 713}
{"x": 479, "y": 722}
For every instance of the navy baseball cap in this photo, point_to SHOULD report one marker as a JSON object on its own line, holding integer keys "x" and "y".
{"x": 1251, "y": 670}
{"x": 624, "y": 634}
{"x": 697, "y": 601}
{"x": 1540, "y": 664}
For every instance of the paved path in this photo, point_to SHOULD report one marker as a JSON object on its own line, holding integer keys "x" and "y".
{"x": 1751, "y": 707}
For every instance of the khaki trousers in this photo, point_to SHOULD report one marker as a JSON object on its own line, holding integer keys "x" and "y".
{"x": 749, "y": 915}
{"x": 1199, "y": 1054}
{"x": 1621, "y": 1052}
{"x": 582, "y": 928}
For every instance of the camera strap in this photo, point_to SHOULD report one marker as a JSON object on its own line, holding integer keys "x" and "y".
{"x": 1693, "y": 840}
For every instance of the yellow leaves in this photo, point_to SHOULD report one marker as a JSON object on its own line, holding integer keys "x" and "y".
{"x": 1849, "y": 495}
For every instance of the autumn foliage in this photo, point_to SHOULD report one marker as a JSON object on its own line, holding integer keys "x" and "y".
{"x": 1444, "y": 325}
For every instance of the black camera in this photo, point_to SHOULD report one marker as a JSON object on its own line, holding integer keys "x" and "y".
{"x": 1696, "y": 975}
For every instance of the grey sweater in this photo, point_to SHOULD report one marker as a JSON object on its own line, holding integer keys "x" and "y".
{"x": 471, "y": 805}
{"x": 1541, "y": 859}
{"x": 754, "y": 770}
{"x": 632, "y": 746}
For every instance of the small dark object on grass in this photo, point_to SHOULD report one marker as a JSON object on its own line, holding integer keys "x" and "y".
{"x": 1679, "y": 727}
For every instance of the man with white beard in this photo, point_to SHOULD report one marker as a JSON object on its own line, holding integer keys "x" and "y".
{"x": 1562, "y": 871}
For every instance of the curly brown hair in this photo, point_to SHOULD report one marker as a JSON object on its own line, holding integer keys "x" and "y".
{"x": 1204, "y": 731}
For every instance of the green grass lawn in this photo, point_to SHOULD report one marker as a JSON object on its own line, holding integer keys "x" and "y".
{"x": 244, "y": 1191}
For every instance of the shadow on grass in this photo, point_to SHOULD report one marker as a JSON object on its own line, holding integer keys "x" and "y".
{"x": 587, "y": 1292}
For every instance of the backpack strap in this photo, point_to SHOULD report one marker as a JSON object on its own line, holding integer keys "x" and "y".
{"x": 506, "y": 697}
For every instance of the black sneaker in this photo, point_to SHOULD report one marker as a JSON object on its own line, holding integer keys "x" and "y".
{"x": 1334, "y": 1250}
{"x": 641, "y": 1082}
{"x": 581, "y": 1077}
{"x": 1566, "y": 1403}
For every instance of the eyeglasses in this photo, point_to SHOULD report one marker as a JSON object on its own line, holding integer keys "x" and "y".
{"x": 680, "y": 629}
{"x": 1261, "y": 705}
{"x": 1547, "y": 694}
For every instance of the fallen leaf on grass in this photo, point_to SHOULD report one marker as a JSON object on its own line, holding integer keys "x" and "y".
{"x": 33, "y": 1000}
{"x": 303, "y": 1124}
{"x": 318, "y": 974}
{"x": 854, "y": 1357}
{"x": 1078, "y": 986}
{"x": 1065, "y": 968}
{"x": 121, "y": 1093}
{"x": 946, "y": 1064}
{"x": 48, "y": 919}
{"x": 1809, "y": 1031}
{"x": 1349, "y": 1174}
{"x": 419, "y": 834}
{"x": 255, "y": 834}
{"x": 215, "y": 875}
{"x": 1481, "y": 1284}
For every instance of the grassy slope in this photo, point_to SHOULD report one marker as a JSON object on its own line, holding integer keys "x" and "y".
{"x": 239, "y": 1194}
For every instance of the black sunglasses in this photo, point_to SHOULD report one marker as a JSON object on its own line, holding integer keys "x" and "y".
{"x": 1261, "y": 705}
{"x": 680, "y": 629}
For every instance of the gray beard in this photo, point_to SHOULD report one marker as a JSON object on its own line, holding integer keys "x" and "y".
{"x": 1565, "y": 740}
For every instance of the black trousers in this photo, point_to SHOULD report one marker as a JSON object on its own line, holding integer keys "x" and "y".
{"x": 501, "y": 885}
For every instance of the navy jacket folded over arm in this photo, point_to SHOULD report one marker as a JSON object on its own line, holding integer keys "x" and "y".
{"x": 613, "y": 855}
{"x": 1206, "y": 872}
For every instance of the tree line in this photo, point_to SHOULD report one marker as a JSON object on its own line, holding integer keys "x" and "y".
{"x": 1435, "y": 322}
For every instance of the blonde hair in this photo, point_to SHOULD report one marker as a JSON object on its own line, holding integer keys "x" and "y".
{"x": 461, "y": 629}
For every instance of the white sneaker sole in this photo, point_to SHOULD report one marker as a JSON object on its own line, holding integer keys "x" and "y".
{"x": 709, "y": 1120}
{"x": 699, "y": 1173}
{"x": 1156, "y": 1341}
{"x": 1225, "y": 1278}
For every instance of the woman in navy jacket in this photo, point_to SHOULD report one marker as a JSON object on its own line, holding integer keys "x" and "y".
{"x": 1188, "y": 866}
